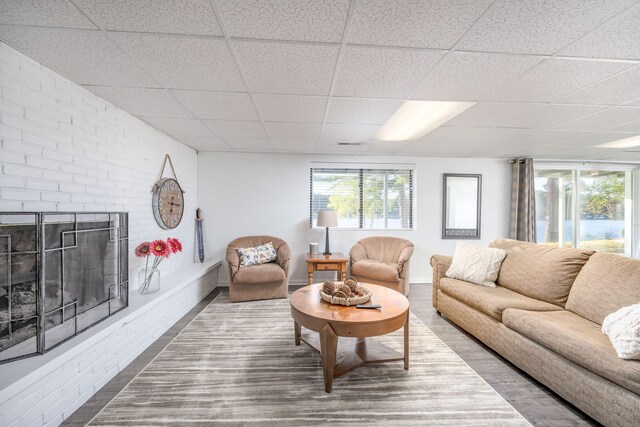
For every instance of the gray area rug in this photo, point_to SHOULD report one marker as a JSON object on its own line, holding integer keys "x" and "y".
{"x": 236, "y": 364}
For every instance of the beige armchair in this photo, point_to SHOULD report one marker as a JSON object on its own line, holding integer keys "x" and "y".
{"x": 255, "y": 282}
{"x": 382, "y": 261}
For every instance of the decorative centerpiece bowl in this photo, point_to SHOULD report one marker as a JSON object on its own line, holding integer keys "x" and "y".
{"x": 346, "y": 293}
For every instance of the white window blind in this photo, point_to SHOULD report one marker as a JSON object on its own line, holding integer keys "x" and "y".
{"x": 363, "y": 198}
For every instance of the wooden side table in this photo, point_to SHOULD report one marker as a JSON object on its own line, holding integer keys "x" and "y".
{"x": 334, "y": 262}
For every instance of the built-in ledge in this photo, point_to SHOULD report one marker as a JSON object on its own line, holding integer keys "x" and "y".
{"x": 53, "y": 385}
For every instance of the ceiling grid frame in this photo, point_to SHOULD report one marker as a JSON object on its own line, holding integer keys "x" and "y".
{"x": 135, "y": 60}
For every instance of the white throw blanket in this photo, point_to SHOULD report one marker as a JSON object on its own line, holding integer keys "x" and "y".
{"x": 623, "y": 329}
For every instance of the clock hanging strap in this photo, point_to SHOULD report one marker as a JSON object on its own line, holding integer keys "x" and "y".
{"x": 164, "y": 163}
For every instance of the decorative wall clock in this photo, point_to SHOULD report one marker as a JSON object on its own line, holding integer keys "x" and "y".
{"x": 168, "y": 199}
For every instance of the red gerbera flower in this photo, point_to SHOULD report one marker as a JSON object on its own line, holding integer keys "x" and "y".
{"x": 160, "y": 248}
{"x": 175, "y": 245}
{"x": 143, "y": 250}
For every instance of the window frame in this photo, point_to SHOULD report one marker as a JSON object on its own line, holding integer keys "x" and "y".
{"x": 361, "y": 169}
{"x": 632, "y": 190}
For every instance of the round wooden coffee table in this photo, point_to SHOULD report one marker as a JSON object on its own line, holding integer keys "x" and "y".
{"x": 333, "y": 321}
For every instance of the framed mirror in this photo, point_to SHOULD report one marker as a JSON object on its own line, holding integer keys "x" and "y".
{"x": 462, "y": 195}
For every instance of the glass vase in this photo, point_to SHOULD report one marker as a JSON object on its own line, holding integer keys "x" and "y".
{"x": 148, "y": 280}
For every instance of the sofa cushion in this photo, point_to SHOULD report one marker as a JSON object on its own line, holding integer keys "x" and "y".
{"x": 607, "y": 283}
{"x": 263, "y": 273}
{"x": 476, "y": 264}
{"x": 538, "y": 271}
{"x": 491, "y": 301}
{"x": 384, "y": 271}
{"x": 578, "y": 340}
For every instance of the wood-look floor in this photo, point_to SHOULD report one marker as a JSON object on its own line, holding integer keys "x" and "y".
{"x": 534, "y": 401}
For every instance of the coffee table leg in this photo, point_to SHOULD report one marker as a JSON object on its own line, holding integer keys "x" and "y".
{"x": 297, "y": 329}
{"x": 328, "y": 348}
{"x": 406, "y": 343}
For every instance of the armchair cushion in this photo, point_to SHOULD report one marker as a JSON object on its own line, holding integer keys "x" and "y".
{"x": 263, "y": 273}
{"x": 384, "y": 271}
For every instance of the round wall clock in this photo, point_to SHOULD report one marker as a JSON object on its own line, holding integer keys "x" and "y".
{"x": 168, "y": 203}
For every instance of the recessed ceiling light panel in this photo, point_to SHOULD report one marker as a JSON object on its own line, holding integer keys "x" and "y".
{"x": 633, "y": 141}
{"x": 414, "y": 119}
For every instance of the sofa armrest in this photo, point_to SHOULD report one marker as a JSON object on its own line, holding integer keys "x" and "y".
{"x": 234, "y": 262}
{"x": 440, "y": 264}
{"x": 284, "y": 256}
{"x": 357, "y": 253}
{"x": 403, "y": 261}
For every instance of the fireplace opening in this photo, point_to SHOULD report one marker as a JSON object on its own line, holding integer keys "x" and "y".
{"x": 60, "y": 274}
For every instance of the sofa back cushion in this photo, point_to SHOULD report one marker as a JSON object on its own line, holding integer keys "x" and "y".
{"x": 542, "y": 272}
{"x": 607, "y": 283}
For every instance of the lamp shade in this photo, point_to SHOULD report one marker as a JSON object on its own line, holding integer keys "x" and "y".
{"x": 327, "y": 218}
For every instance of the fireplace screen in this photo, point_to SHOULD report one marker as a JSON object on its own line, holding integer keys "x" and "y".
{"x": 60, "y": 273}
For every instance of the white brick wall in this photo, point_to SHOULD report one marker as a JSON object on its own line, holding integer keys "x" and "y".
{"x": 54, "y": 391}
{"x": 64, "y": 149}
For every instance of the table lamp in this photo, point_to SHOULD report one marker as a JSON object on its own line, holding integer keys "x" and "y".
{"x": 327, "y": 218}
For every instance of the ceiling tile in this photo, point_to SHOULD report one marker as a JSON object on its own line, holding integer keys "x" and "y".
{"x": 361, "y": 111}
{"x": 288, "y": 130}
{"x": 178, "y": 127}
{"x": 250, "y": 144}
{"x": 552, "y": 115}
{"x": 595, "y": 138}
{"x": 315, "y": 21}
{"x": 237, "y": 129}
{"x": 274, "y": 67}
{"x": 415, "y": 23}
{"x": 382, "y": 147}
{"x": 44, "y": 13}
{"x": 383, "y": 72}
{"x": 333, "y": 133}
{"x": 452, "y": 135}
{"x": 571, "y": 153}
{"x": 497, "y": 136}
{"x": 629, "y": 127}
{"x": 291, "y": 108}
{"x": 294, "y": 145}
{"x": 492, "y": 114}
{"x": 617, "y": 38}
{"x": 619, "y": 89}
{"x": 205, "y": 143}
{"x": 84, "y": 56}
{"x": 185, "y": 62}
{"x": 537, "y": 26}
{"x": 218, "y": 105}
{"x": 142, "y": 101}
{"x": 555, "y": 78}
{"x": 549, "y": 137}
{"x": 466, "y": 76}
{"x": 155, "y": 16}
{"x": 606, "y": 119}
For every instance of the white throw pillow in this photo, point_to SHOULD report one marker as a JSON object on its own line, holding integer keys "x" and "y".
{"x": 476, "y": 264}
{"x": 623, "y": 329}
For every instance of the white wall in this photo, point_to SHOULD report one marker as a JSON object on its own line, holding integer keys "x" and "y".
{"x": 65, "y": 149}
{"x": 245, "y": 194}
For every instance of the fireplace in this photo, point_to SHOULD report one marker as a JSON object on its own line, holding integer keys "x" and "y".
{"x": 60, "y": 274}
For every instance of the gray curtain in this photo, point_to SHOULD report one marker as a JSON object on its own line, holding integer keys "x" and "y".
{"x": 522, "y": 225}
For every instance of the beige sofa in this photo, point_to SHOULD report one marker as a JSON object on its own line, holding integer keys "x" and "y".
{"x": 382, "y": 261}
{"x": 256, "y": 282}
{"x": 545, "y": 317}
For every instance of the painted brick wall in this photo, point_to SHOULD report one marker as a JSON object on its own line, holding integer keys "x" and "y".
{"x": 64, "y": 149}
{"x": 64, "y": 387}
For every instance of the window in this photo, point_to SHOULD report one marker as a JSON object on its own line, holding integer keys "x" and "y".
{"x": 364, "y": 198}
{"x": 584, "y": 207}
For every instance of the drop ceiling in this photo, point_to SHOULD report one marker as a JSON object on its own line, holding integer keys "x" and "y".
{"x": 552, "y": 79}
